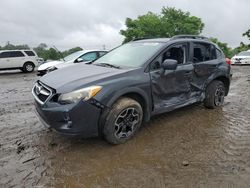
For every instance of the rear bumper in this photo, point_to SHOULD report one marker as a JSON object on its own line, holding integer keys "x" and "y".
{"x": 74, "y": 119}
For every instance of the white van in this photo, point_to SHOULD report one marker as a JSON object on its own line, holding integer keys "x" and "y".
{"x": 25, "y": 60}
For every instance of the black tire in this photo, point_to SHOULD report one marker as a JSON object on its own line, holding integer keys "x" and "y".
{"x": 28, "y": 67}
{"x": 123, "y": 121}
{"x": 215, "y": 94}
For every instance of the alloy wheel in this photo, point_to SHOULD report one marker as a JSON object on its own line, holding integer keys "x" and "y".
{"x": 126, "y": 122}
{"x": 219, "y": 96}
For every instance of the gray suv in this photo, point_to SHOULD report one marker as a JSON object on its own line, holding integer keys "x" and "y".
{"x": 114, "y": 95}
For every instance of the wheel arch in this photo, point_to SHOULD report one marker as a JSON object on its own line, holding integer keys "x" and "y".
{"x": 29, "y": 62}
{"x": 222, "y": 78}
{"x": 133, "y": 93}
{"x": 141, "y": 100}
{"x": 139, "y": 96}
{"x": 226, "y": 82}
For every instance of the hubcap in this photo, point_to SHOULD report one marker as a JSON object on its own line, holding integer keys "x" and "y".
{"x": 29, "y": 68}
{"x": 126, "y": 123}
{"x": 219, "y": 96}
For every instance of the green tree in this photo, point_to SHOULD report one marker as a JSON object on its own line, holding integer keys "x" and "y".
{"x": 243, "y": 46}
{"x": 52, "y": 54}
{"x": 70, "y": 51}
{"x": 224, "y": 47}
{"x": 247, "y": 34}
{"x": 170, "y": 22}
{"x": 10, "y": 46}
{"x": 41, "y": 50}
{"x": 240, "y": 48}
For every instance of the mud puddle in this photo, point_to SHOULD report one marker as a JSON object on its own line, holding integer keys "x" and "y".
{"x": 190, "y": 147}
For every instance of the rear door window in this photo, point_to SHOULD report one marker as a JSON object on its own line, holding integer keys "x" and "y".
{"x": 4, "y": 55}
{"x": 203, "y": 52}
{"x": 16, "y": 54}
{"x": 219, "y": 53}
{"x": 30, "y": 53}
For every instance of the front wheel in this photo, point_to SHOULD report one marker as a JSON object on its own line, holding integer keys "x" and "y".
{"x": 123, "y": 121}
{"x": 215, "y": 94}
{"x": 28, "y": 67}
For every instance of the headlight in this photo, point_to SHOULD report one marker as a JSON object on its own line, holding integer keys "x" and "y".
{"x": 50, "y": 69}
{"x": 81, "y": 94}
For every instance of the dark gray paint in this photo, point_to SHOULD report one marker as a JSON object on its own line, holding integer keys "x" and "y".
{"x": 160, "y": 90}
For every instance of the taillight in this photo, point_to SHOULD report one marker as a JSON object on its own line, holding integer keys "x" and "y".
{"x": 228, "y": 61}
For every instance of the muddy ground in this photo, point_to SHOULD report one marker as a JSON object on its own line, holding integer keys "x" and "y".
{"x": 190, "y": 147}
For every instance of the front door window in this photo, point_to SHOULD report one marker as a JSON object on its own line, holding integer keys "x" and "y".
{"x": 91, "y": 56}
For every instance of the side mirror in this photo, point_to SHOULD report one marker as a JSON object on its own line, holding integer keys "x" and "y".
{"x": 79, "y": 60}
{"x": 169, "y": 64}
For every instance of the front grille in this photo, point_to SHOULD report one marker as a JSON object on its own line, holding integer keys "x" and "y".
{"x": 41, "y": 92}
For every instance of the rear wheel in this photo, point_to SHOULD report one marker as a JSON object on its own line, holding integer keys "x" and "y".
{"x": 215, "y": 94}
{"x": 123, "y": 121}
{"x": 28, "y": 67}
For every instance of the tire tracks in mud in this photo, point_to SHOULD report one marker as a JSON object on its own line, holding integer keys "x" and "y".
{"x": 234, "y": 150}
{"x": 19, "y": 134}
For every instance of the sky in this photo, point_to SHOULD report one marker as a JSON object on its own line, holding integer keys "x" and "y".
{"x": 92, "y": 24}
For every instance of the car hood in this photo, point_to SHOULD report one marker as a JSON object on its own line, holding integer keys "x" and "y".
{"x": 68, "y": 63}
{"x": 44, "y": 66}
{"x": 62, "y": 65}
{"x": 78, "y": 76}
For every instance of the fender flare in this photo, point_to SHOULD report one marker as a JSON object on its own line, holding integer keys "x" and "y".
{"x": 220, "y": 76}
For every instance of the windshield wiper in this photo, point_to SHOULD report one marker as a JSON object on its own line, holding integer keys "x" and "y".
{"x": 107, "y": 65}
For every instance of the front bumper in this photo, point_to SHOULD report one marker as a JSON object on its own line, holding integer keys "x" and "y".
{"x": 240, "y": 62}
{"x": 73, "y": 119}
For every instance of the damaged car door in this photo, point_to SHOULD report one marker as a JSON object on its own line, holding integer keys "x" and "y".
{"x": 205, "y": 62}
{"x": 171, "y": 88}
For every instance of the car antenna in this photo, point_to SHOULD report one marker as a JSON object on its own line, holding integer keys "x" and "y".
{"x": 59, "y": 52}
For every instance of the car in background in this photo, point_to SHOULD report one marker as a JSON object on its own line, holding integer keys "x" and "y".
{"x": 25, "y": 60}
{"x": 76, "y": 57}
{"x": 243, "y": 58}
{"x": 40, "y": 61}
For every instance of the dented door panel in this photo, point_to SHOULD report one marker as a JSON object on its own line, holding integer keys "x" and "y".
{"x": 171, "y": 87}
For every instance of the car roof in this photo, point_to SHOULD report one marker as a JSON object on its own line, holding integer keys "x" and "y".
{"x": 95, "y": 50}
{"x": 15, "y": 50}
{"x": 178, "y": 38}
{"x": 161, "y": 40}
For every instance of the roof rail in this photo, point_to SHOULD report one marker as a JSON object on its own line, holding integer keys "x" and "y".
{"x": 189, "y": 37}
{"x": 141, "y": 38}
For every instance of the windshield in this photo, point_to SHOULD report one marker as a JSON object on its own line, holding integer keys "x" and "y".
{"x": 131, "y": 54}
{"x": 73, "y": 56}
{"x": 244, "y": 54}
